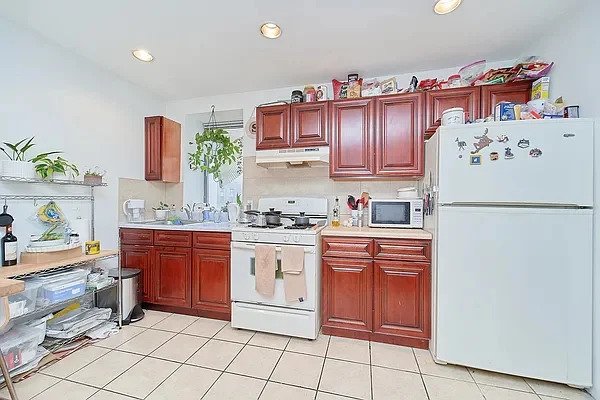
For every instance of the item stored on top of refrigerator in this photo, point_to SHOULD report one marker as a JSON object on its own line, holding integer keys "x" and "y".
{"x": 452, "y": 116}
{"x": 297, "y": 96}
{"x": 504, "y": 111}
{"x": 310, "y": 94}
{"x": 571, "y": 112}
{"x": 540, "y": 89}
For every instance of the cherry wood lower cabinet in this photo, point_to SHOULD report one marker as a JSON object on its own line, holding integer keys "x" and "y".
{"x": 385, "y": 299}
{"x": 141, "y": 257}
{"x": 184, "y": 272}
{"x": 173, "y": 276}
{"x": 210, "y": 280}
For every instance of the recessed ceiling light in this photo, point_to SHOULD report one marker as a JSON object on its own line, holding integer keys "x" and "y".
{"x": 270, "y": 30}
{"x": 142, "y": 55}
{"x": 446, "y": 6}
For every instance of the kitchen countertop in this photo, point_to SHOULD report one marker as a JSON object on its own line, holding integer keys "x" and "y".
{"x": 387, "y": 233}
{"x": 197, "y": 227}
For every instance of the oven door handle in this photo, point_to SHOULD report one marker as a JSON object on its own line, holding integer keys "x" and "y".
{"x": 250, "y": 246}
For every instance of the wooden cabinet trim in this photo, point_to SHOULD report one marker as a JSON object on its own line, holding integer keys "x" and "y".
{"x": 211, "y": 278}
{"x": 143, "y": 259}
{"x": 309, "y": 124}
{"x": 273, "y": 127}
{"x": 180, "y": 292}
{"x": 403, "y": 249}
{"x": 437, "y": 101}
{"x": 519, "y": 92}
{"x": 212, "y": 240}
{"x": 153, "y": 148}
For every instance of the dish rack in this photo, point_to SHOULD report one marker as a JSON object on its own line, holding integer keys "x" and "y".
{"x": 15, "y": 273}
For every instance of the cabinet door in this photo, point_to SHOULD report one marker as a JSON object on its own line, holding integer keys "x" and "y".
{"x": 352, "y": 124}
{"x": 517, "y": 92}
{"x": 438, "y": 101}
{"x": 400, "y": 149}
{"x": 172, "y": 275}
{"x": 347, "y": 293}
{"x": 153, "y": 148}
{"x": 210, "y": 280}
{"x": 273, "y": 127}
{"x": 140, "y": 257}
{"x": 402, "y": 298}
{"x": 309, "y": 124}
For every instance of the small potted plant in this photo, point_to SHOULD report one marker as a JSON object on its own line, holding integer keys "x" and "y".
{"x": 93, "y": 176}
{"x": 162, "y": 211}
{"x": 46, "y": 167}
{"x": 17, "y": 165}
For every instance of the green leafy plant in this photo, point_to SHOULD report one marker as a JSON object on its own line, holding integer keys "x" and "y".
{"x": 96, "y": 171}
{"x": 164, "y": 206}
{"x": 47, "y": 167}
{"x": 18, "y": 150}
{"x": 214, "y": 149}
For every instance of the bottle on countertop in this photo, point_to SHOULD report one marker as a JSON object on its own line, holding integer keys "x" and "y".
{"x": 335, "y": 220}
{"x": 10, "y": 247}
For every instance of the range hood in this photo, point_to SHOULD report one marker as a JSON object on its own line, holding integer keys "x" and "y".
{"x": 289, "y": 158}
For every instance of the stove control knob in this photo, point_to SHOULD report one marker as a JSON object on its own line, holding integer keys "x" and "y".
{"x": 247, "y": 236}
{"x": 256, "y": 236}
{"x": 296, "y": 238}
{"x": 286, "y": 238}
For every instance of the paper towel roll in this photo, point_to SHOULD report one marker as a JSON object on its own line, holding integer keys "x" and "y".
{"x": 82, "y": 227}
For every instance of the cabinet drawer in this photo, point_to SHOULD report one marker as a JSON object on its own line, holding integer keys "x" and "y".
{"x": 212, "y": 240}
{"x": 136, "y": 236}
{"x": 408, "y": 250}
{"x": 347, "y": 247}
{"x": 173, "y": 238}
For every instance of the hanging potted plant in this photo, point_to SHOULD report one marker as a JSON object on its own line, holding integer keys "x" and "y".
{"x": 214, "y": 149}
{"x": 17, "y": 165}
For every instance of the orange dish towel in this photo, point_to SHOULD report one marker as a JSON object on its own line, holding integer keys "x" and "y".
{"x": 264, "y": 269}
{"x": 294, "y": 279}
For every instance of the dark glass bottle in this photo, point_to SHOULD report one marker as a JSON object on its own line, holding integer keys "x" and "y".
{"x": 10, "y": 248}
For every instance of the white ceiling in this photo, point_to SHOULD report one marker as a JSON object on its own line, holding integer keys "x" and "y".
{"x": 213, "y": 47}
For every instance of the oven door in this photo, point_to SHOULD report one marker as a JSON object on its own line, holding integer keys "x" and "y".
{"x": 243, "y": 280}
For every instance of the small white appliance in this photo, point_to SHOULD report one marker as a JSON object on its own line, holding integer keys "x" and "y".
{"x": 134, "y": 210}
{"x": 396, "y": 213}
{"x": 512, "y": 223}
{"x": 293, "y": 157}
{"x": 252, "y": 310}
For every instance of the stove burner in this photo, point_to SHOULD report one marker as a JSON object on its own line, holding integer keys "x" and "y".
{"x": 294, "y": 226}
{"x": 270, "y": 226}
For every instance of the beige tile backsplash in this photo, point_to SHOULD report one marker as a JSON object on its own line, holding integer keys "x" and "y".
{"x": 310, "y": 182}
{"x": 152, "y": 192}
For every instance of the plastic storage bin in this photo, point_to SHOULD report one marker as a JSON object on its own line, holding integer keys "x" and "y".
{"x": 61, "y": 286}
{"x": 38, "y": 326}
{"x": 19, "y": 346}
{"x": 24, "y": 302}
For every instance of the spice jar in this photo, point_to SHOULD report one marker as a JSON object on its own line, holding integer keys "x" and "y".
{"x": 310, "y": 94}
{"x": 297, "y": 96}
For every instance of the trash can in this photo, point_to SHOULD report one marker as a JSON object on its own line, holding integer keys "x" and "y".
{"x": 131, "y": 296}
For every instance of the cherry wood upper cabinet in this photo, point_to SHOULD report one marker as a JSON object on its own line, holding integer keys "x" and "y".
{"x": 172, "y": 275}
{"x": 309, "y": 124}
{"x": 352, "y": 124}
{"x": 140, "y": 257}
{"x": 402, "y": 298}
{"x": 516, "y": 92}
{"x": 210, "y": 281}
{"x": 162, "y": 146}
{"x": 399, "y": 148}
{"x": 273, "y": 127}
{"x": 438, "y": 101}
{"x": 347, "y": 294}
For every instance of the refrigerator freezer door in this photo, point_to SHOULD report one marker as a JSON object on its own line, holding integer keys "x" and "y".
{"x": 548, "y": 162}
{"x": 514, "y": 291}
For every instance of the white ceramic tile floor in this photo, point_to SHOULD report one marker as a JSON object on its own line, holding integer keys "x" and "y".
{"x": 212, "y": 361}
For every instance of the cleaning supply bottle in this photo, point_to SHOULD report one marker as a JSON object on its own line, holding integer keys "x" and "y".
{"x": 335, "y": 220}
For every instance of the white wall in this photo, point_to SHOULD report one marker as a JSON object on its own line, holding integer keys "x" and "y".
{"x": 573, "y": 45}
{"x": 247, "y": 101}
{"x": 70, "y": 104}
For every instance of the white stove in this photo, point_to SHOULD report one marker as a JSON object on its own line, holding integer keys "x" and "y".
{"x": 252, "y": 310}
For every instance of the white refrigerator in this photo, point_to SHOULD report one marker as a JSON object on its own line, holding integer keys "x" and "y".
{"x": 512, "y": 222}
